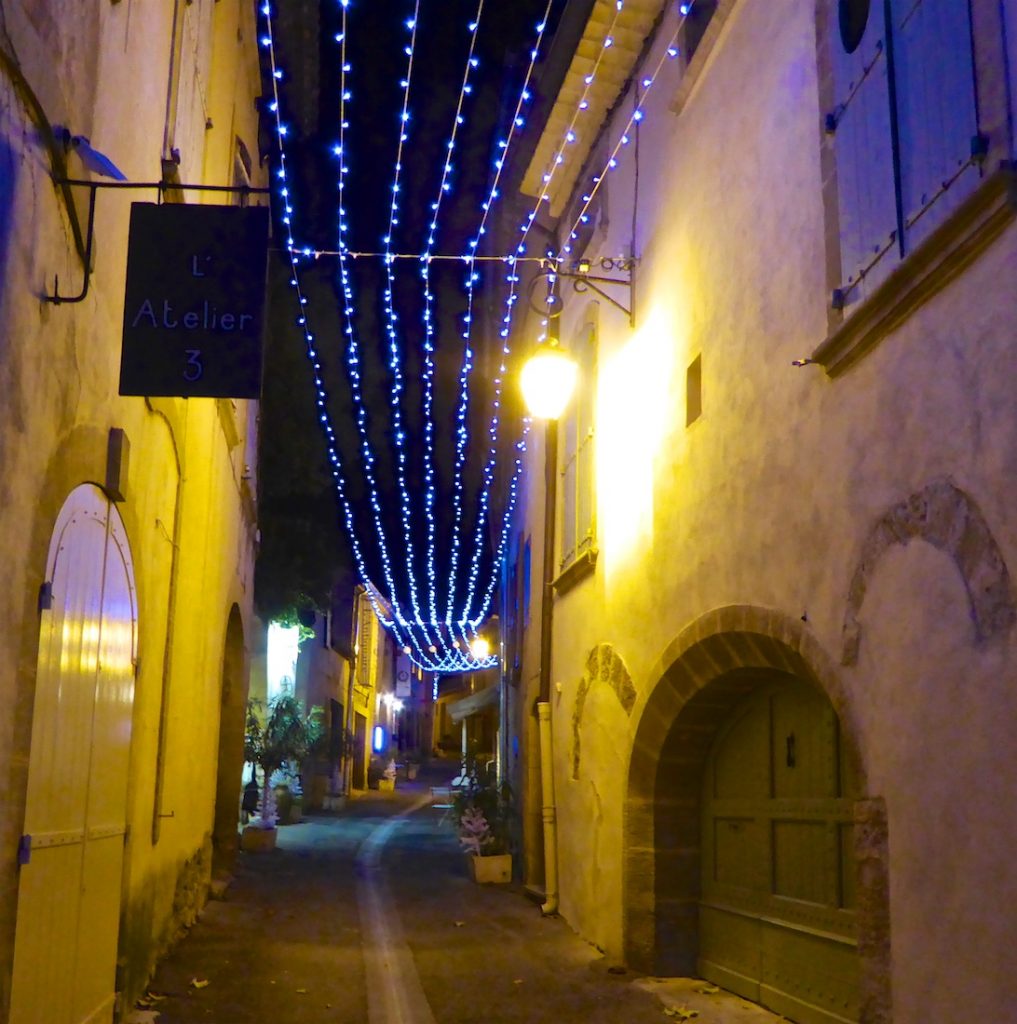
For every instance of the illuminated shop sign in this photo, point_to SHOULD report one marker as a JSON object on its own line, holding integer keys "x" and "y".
{"x": 194, "y": 301}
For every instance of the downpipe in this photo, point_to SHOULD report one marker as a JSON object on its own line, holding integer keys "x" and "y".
{"x": 550, "y": 905}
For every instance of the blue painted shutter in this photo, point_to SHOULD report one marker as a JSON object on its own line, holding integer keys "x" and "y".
{"x": 936, "y": 115}
{"x": 864, "y": 155}
{"x": 585, "y": 454}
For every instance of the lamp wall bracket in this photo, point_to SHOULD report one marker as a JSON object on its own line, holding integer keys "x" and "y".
{"x": 622, "y": 271}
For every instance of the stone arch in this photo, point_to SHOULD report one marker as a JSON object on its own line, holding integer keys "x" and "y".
{"x": 232, "y": 714}
{"x": 700, "y": 677}
{"x": 943, "y": 515}
{"x": 603, "y": 665}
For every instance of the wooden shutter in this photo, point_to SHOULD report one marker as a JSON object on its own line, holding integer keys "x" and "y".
{"x": 585, "y": 493}
{"x": 864, "y": 155}
{"x": 934, "y": 74}
{"x": 570, "y": 464}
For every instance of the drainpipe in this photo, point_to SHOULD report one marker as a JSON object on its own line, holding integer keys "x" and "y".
{"x": 549, "y": 815}
{"x": 550, "y": 904}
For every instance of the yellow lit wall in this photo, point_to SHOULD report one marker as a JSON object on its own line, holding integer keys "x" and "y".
{"x": 189, "y": 508}
{"x": 634, "y": 418}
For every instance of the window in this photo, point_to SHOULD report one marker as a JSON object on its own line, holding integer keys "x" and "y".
{"x": 700, "y": 14}
{"x": 904, "y": 127}
{"x": 694, "y": 391}
{"x": 577, "y": 461}
{"x": 698, "y": 34}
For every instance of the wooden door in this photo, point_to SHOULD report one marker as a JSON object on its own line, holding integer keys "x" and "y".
{"x": 777, "y": 921}
{"x": 72, "y": 848}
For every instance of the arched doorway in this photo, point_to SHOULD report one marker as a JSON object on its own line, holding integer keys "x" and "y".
{"x": 232, "y": 708}
{"x": 777, "y": 900}
{"x": 71, "y": 852}
{"x": 704, "y": 849}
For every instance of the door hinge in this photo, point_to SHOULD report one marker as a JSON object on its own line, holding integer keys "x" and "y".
{"x": 45, "y": 596}
{"x": 24, "y": 849}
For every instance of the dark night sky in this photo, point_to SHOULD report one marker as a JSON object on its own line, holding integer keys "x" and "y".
{"x": 376, "y": 37}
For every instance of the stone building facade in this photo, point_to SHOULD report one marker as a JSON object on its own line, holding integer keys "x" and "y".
{"x": 782, "y": 678}
{"x": 127, "y": 525}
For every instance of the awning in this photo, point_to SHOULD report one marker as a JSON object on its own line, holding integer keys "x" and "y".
{"x": 475, "y": 702}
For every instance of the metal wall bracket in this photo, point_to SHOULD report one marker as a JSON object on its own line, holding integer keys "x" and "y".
{"x": 161, "y": 187}
{"x": 579, "y": 272}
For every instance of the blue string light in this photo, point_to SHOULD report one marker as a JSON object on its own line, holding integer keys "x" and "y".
{"x": 321, "y": 395}
{"x": 421, "y": 635}
{"x": 395, "y": 360}
{"x": 517, "y": 123}
{"x": 413, "y": 639}
{"x": 670, "y": 52}
{"x": 387, "y": 614}
{"x": 444, "y": 188}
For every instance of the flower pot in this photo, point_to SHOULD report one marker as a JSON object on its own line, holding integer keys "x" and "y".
{"x": 491, "y": 868}
{"x": 257, "y": 840}
{"x": 386, "y": 785}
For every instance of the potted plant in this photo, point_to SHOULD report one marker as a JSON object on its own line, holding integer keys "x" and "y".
{"x": 482, "y": 813}
{"x": 272, "y": 739}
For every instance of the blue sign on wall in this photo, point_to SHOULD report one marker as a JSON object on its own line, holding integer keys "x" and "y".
{"x": 194, "y": 305}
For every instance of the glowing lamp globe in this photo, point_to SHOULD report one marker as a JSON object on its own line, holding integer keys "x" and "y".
{"x": 480, "y": 648}
{"x": 548, "y": 379}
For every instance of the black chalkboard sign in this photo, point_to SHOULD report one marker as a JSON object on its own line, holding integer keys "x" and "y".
{"x": 194, "y": 305}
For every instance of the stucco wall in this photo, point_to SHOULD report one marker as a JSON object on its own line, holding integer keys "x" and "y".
{"x": 103, "y": 71}
{"x": 768, "y": 498}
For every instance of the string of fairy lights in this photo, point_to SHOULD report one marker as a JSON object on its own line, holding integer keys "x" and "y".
{"x": 444, "y": 187}
{"x": 437, "y": 635}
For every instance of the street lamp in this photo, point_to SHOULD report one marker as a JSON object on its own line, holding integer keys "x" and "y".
{"x": 548, "y": 379}
{"x": 480, "y": 648}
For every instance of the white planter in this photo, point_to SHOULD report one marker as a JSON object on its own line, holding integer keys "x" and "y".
{"x": 492, "y": 868}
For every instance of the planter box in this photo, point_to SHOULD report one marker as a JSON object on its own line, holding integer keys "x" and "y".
{"x": 492, "y": 869}
{"x": 257, "y": 840}
{"x": 386, "y": 785}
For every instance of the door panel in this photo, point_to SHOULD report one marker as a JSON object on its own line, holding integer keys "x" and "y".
{"x": 69, "y": 891}
{"x": 776, "y": 923}
{"x": 102, "y": 867}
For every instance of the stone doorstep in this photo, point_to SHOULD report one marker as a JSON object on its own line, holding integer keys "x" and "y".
{"x": 719, "y": 1007}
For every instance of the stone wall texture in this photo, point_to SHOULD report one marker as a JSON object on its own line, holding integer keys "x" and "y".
{"x": 857, "y": 530}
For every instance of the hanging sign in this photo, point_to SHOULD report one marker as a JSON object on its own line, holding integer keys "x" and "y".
{"x": 404, "y": 679}
{"x": 194, "y": 304}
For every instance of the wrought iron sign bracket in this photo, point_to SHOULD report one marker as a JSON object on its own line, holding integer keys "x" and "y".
{"x": 93, "y": 186}
{"x": 583, "y": 280}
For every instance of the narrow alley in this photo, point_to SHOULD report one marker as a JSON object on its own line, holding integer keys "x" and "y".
{"x": 368, "y": 915}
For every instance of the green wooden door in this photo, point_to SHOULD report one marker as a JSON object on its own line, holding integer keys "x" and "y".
{"x": 777, "y": 922}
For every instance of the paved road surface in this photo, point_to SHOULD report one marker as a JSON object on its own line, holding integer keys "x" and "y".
{"x": 369, "y": 917}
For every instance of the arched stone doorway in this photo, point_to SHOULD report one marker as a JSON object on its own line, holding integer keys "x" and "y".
{"x": 233, "y": 701}
{"x": 706, "y": 683}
